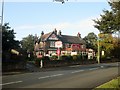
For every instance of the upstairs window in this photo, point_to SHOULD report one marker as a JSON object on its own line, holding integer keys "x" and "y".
{"x": 52, "y": 43}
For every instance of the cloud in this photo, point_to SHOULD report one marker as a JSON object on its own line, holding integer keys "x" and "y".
{"x": 69, "y": 28}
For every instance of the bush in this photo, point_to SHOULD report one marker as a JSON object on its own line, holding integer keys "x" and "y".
{"x": 46, "y": 58}
{"x": 79, "y": 57}
{"x": 64, "y": 57}
{"x": 85, "y": 57}
{"x": 70, "y": 58}
{"x": 54, "y": 57}
{"x": 103, "y": 58}
{"x": 75, "y": 57}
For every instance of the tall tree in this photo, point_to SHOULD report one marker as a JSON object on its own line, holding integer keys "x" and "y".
{"x": 28, "y": 43}
{"x": 91, "y": 41}
{"x": 108, "y": 24}
{"x": 107, "y": 42}
{"x": 110, "y": 20}
{"x": 8, "y": 38}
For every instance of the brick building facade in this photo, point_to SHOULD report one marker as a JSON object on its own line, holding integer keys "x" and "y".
{"x": 45, "y": 45}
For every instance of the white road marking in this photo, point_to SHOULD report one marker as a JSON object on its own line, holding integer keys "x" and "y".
{"x": 56, "y": 75}
{"x": 102, "y": 66}
{"x": 50, "y": 76}
{"x": 77, "y": 71}
{"x": 11, "y": 83}
{"x": 75, "y": 66}
{"x": 43, "y": 77}
{"x": 93, "y": 68}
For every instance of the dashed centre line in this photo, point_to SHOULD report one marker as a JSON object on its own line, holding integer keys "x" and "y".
{"x": 77, "y": 71}
{"x": 93, "y": 68}
{"x": 50, "y": 76}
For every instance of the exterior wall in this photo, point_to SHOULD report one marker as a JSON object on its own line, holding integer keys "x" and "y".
{"x": 68, "y": 48}
{"x": 72, "y": 49}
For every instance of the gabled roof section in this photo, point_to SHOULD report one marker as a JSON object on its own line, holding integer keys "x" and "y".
{"x": 71, "y": 39}
{"x": 45, "y": 36}
{"x": 63, "y": 38}
{"x": 48, "y": 36}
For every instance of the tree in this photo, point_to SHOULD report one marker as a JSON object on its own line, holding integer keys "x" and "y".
{"x": 107, "y": 42}
{"x": 115, "y": 6}
{"x": 28, "y": 43}
{"x": 91, "y": 41}
{"x": 109, "y": 23}
{"x": 8, "y": 38}
{"x": 110, "y": 20}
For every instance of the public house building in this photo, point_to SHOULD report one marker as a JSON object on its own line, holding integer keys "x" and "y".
{"x": 46, "y": 44}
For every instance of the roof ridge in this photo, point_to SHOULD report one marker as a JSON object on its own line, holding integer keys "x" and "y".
{"x": 69, "y": 35}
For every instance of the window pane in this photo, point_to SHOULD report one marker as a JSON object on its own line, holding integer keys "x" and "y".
{"x": 52, "y": 44}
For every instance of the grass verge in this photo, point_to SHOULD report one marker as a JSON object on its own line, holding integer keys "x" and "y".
{"x": 113, "y": 84}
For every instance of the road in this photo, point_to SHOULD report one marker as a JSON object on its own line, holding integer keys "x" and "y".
{"x": 78, "y": 76}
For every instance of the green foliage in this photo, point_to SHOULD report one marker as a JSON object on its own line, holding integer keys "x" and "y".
{"x": 74, "y": 57}
{"x": 79, "y": 57}
{"x": 54, "y": 57}
{"x": 8, "y": 38}
{"x": 110, "y": 20}
{"x": 28, "y": 43}
{"x": 113, "y": 84}
{"x": 109, "y": 23}
{"x": 106, "y": 23}
{"x": 106, "y": 43}
{"x": 91, "y": 41}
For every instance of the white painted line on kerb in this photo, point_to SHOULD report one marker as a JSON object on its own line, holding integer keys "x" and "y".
{"x": 93, "y": 68}
{"x": 77, "y": 71}
{"x": 11, "y": 83}
{"x": 50, "y": 76}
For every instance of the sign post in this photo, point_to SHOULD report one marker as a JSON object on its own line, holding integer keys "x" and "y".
{"x": 58, "y": 53}
{"x": 58, "y": 44}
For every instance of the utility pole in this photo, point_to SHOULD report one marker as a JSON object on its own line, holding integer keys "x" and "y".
{"x": 1, "y": 23}
{"x": 98, "y": 57}
{"x": 1, "y": 17}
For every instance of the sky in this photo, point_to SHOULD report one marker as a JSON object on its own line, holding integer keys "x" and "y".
{"x": 37, "y": 16}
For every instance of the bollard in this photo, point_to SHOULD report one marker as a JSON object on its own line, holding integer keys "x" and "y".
{"x": 41, "y": 64}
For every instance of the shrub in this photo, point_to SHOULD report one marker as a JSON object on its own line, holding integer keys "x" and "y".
{"x": 64, "y": 57}
{"x": 70, "y": 58}
{"x": 46, "y": 58}
{"x": 54, "y": 57}
{"x": 79, "y": 57}
{"x": 75, "y": 57}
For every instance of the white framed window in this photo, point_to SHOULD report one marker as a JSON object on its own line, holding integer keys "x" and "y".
{"x": 52, "y": 43}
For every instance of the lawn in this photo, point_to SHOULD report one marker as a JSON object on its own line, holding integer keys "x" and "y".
{"x": 113, "y": 84}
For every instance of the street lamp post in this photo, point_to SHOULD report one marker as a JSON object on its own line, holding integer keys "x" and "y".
{"x": 2, "y": 14}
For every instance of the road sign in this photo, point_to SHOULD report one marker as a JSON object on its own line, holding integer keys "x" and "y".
{"x": 58, "y": 44}
{"x": 58, "y": 52}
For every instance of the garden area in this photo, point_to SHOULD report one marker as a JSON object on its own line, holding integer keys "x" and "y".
{"x": 66, "y": 60}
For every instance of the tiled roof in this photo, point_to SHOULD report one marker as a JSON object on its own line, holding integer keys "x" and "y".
{"x": 65, "y": 38}
{"x": 72, "y": 39}
{"x": 45, "y": 36}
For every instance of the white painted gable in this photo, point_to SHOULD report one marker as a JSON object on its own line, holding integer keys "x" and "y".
{"x": 53, "y": 37}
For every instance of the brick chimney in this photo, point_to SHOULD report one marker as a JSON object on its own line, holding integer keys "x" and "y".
{"x": 55, "y": 31}
{"x": 59, "y": 33}
{"x": 79, "y": 35}
{"x": 42, "y": 33}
